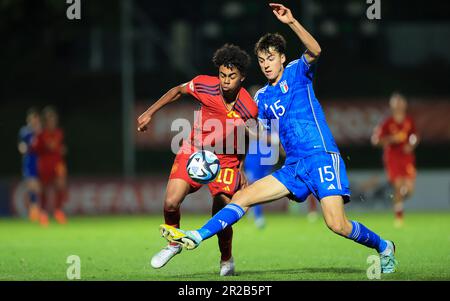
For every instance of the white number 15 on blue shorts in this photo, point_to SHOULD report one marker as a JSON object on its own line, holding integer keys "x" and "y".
{"x": 321, "y": 174}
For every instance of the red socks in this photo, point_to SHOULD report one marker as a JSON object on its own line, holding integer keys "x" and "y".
{"x": 225, "y": 238}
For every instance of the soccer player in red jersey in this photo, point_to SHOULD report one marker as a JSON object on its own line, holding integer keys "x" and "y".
{"x": 398, "y": 137}
{"x": 52, "y": 170}
{"x": 223, "y": 100}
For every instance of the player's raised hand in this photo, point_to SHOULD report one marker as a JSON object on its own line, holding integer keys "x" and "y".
{"x": 282, "y": 13}
{"x": 143, "y": 120}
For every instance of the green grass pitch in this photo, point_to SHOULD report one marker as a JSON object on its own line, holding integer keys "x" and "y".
{"x": 289, "y": 248}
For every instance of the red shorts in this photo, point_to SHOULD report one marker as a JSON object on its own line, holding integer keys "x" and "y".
{"x": 227, "y": 182}
{"x": 400, "y": 167}
{"x": 49, "y": 171}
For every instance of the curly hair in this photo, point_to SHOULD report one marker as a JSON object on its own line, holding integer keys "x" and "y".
{"x": 230, "y": 56}
{"x": 271, "y": 40}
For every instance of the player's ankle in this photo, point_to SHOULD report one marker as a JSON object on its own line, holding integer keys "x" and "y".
{"x": 198, "y": 234}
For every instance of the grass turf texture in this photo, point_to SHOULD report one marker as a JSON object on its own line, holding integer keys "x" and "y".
{"x": 289, "y": 248}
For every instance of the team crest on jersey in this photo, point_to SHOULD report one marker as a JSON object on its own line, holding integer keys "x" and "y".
{"x": 284, "y": 87}
{"x": 233, "y": 114}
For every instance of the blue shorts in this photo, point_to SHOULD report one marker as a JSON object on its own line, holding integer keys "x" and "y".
{"x": 321, "y": 174}
{"x": 29, "y": 167}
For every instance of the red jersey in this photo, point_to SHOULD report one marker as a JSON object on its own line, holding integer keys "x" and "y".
{"x": 49, "y": 145}
{"x": 402, "y": 131}
{"x": 216, "y": 125}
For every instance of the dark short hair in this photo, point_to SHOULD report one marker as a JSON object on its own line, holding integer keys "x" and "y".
{"x": 271, "y": 40}
{"x": 398, "y": 93}
{"x": 32, "y": 111}
{"x": 49, "y": 110}
{"x": 231, "y": 55}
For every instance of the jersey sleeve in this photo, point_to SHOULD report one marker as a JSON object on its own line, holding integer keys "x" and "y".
{"x": 202, "y": 86}
{"x": 21, "y": 135}
{"x": 190, "y": 87}
{"x": 25, "y": 135}
{"x": 302, "y": 69}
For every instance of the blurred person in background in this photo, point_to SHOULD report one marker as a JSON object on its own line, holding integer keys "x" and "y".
{"x": 398, "y": 137}
{"x": 27, "y": 135}
{"x": 50, "y": 148}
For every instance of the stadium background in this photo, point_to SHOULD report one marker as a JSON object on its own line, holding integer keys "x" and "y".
{"x": 76, "y": 65}
{"x": 100, "y": 72}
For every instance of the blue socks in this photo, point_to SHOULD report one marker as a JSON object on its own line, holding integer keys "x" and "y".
{"x": 258, "y": 211}
{"x": 364, "y": 236}
{"x": 230, "y": 214}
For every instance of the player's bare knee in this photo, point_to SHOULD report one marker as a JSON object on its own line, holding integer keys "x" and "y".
{"x": 241, "y": 199}
{"x": 338, "y": 227}
{"x": 171, "y": 203}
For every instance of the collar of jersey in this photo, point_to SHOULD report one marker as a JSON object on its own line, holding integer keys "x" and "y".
{"x": 278, "y": 83}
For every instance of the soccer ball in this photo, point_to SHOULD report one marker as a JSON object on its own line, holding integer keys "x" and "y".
{"x": 203, "y": 167}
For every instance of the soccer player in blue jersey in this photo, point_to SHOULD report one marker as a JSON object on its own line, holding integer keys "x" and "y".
{"x": 313, "y": 164}
{"x": 27, "y": 134}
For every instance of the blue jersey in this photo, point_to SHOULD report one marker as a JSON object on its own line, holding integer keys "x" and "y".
{"x": 313, "y": 164}
{"x": 29, "y": 163}
{"x": 302, "y": 128}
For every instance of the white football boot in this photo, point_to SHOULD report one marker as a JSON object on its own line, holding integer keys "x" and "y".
{"x": 163, "y": 256}
{"x": 387, "y": 259}
{"x": 227, "y": 267}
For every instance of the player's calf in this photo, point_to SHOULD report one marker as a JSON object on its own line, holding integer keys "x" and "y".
{"x": 340, "y": 227}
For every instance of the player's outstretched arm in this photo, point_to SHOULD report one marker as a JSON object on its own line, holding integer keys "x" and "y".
{"x": 171, "y": 95}
{"x": 284, "y": 14}
{"x": 376, "y": 137}
{"x": 378, "y": 140}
